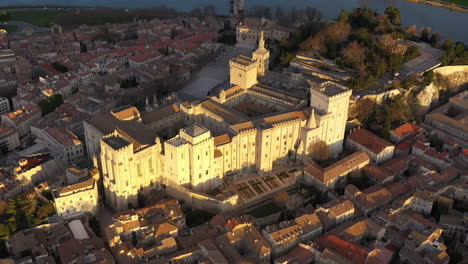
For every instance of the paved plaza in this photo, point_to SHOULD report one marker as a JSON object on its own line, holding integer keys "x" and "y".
{"x": 213, "y": 74}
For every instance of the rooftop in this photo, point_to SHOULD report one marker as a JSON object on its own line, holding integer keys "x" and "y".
{"x": 369, "y": 140}
{"x": 116, "y": 142}
{"x": 63, "y": 136}
{"x": 71, "y": 189}
{"x": 195, "y": 130}
{"x": 243, "y": 60}
{"x": 406, "y": 129}
{"x": 331, "y": 88}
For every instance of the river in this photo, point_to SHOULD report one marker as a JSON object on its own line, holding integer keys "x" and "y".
{"x": 450, "y": 24}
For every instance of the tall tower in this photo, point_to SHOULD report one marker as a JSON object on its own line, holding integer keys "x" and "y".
{"x": 262, "y": 57}
{"x": 237, "y": 7}
{"x": 243, "y": 72}
{"x": 332, "y": 100}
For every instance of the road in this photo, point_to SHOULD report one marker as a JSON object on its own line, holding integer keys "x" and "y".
{"x": 428, "y": 60}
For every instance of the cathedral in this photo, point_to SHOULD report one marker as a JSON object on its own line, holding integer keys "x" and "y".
{"x": 247, "y": 128}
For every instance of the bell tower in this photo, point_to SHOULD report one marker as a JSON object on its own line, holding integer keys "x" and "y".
{"x": 262, "y": 56}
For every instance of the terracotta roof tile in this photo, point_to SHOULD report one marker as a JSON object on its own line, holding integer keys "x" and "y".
{"x": 369, "y": 140}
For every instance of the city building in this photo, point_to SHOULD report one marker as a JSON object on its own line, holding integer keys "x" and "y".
{"x": 449, "y": 120}
{"x": 77, "y": 199}
{"x": 421, "y": 202}
{"x": 424, "y": 247}
{"x": 9, "y": 139}
{"x": 335, "y": 212}
{"x": 62, "y": 143}
{"x": 146, "y": 233}
{"x": 4, "y": 105}
{"x": 406, "y": 130}
{"x": 378, "y": 149}
{"x": 22, "y": 119}
{"x": 325, "y": 178}
{"x": 249, "y": 30}
{"x": 237, "y": 7}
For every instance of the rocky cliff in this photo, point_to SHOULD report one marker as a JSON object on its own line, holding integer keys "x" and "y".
{"x": 448, "y": 78}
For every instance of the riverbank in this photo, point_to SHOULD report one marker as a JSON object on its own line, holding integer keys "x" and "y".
{"x": 451, "y": 6}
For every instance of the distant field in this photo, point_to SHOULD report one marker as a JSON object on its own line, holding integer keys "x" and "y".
{"x": 43, "y": 18}
{"x": 38, "y": 18}
{"x": 42, "y": 6}
{"x": 449, "y": 2}
{"x": 9, "y": 28}
{"x": 459, "y": 2}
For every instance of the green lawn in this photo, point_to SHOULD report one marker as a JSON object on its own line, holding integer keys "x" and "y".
{"x": 38, "y": 18}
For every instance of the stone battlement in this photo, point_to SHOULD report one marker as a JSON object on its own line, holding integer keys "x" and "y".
{"x": 243, "y": 62}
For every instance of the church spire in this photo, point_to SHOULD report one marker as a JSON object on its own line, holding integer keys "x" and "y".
{"x": 311, "y": 122}
{"x": 155, "y": 101}
{"x": 147, "y": 104}
{"x": 261, "y": 43}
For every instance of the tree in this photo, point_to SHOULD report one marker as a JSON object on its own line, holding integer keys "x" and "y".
{"x": 45, "y": 106}
{"x": 394, "y": 15}
{"x": 428, "y": 77}
{"x": 448, "y": 44}
{"x": 425, "y": 34}
{"x": 29, "y": 207}
{"x": 363, "y": 36}
{"x": 286, "y": 58}
{"x": 387, "y": 43}
{"x": 434, "y": 39}
{"x": 45, "y": 210}
{"x": 320, "y": 151}
{"x": 363, "y": 18}
{"x": 381, "y": 68}
{"x": 395, "y": 61}
{"x": 354, "y": 53}
{"x": 4, "y": 16}
{"x": 363, "y": 109}
{"x": 338, "y": 32}
{"x": 411, "y": 32}
{"x": 343, "y": 16}
{"x": 56, "y": 100}
{"x": 3, "y": 207}
{"x": 387, "y": 125}
{"x": 60, "y": 67}
{"x": 412, "y": 53}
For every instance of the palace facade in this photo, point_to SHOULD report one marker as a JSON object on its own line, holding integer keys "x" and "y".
{"x": 248, "y": 128}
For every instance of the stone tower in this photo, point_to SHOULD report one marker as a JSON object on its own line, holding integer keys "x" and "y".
{"x": 237, "y": 7}
{"x": 332, "y": 100}
{"x": 262, "y": 57}
{"x": 243, "y": 72}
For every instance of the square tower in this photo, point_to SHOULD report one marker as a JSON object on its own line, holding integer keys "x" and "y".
{"x": 262, "y": 57}
{"x": 243, "y": 72}
{"x": 237, "y": 7}
{"x": 332, "y": 101}
{"x": 189, "y": 159}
